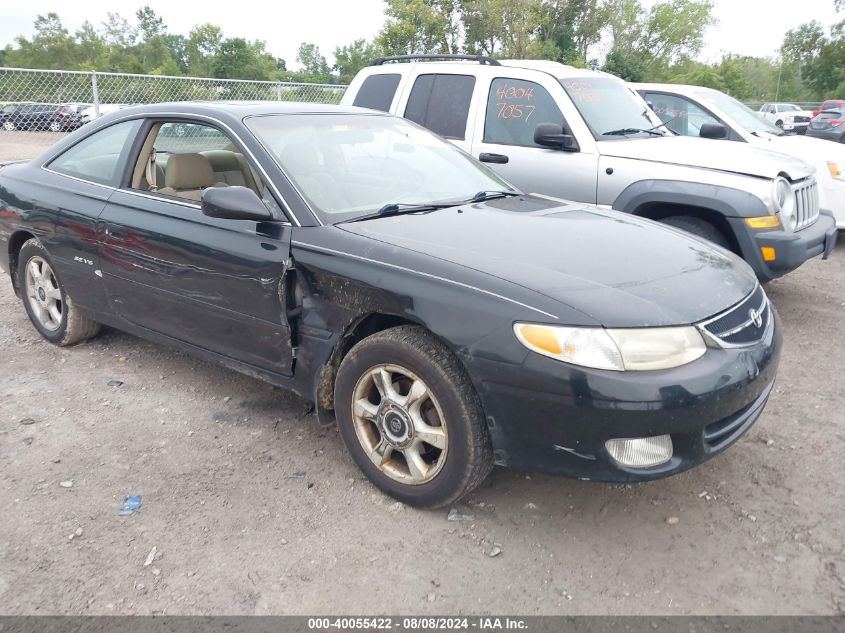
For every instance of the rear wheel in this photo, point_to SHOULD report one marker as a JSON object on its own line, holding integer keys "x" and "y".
{"x": 9, "y": 126}
{"x": 55, "y": 126}
{"x": 411, "y": 418}
{"x": 699, "y": 227}
{"x": 47, "y": 303}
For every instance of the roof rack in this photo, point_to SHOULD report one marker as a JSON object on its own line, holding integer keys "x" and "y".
{"x": 481, "y": 59}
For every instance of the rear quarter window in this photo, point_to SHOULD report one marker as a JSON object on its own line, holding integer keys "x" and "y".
{"x": 99, "y": 157}
{"x": 377, "y": 92}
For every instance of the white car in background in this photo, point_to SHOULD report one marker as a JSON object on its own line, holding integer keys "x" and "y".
{"x": 685, "y": 109}
{"x": 787, "y": 116}
{"x": 89, "y": 113}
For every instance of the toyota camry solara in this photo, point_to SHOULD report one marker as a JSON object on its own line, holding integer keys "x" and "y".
{"x": 445, "y": 321}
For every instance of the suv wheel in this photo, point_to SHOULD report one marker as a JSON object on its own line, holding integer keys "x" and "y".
{"x": 411, "y": 418}
{"x": 699, "y": 227}
{"x": 779, "y": 124}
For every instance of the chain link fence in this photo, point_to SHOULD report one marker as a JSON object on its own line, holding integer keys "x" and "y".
{"x": 40, "y": 106}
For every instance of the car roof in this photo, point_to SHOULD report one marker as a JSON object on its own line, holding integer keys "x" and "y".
{"x": 555, "y": 69}
{"x": 241, "y": 108}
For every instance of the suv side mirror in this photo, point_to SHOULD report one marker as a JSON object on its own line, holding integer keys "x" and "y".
{"x": 554, "y": 136}
{"x": 713, "y": 130}
{"x": 234, "y": 203}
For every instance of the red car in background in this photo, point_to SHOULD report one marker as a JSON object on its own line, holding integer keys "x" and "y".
{"x": 830, "y": 104}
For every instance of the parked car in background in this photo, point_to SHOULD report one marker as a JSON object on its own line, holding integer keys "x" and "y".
{"x": 687, "y": 109}
{"x": 39, "y": 117}
{"x": 444, "y": 320}
{"x": 90, "y": 113}
{"x": 78, "y": 107}
{"x": 830, "y": 104}
{"x": 830, "y": 125}
{"x": 787, "y": 116}
{"x": 583, "y": 135}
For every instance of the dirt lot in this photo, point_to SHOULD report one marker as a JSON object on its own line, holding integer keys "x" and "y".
{"x": 254, "y": 509}
{"x": 23, "y": 144}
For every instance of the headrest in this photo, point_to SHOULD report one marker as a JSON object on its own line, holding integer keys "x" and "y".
{"x": 188, "y": 171}
{"x": 222, "y": 160}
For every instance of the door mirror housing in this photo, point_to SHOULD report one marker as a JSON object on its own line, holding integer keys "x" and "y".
{"x": 234, "y": 203}
{"x": 554, "y": 136}
{"x": 713, "y": 130}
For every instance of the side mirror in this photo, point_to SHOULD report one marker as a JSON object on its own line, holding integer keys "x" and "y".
{"x": 554, "y": 136}
{"x": 713, "y": 130}
{"x": 234, "y": 203}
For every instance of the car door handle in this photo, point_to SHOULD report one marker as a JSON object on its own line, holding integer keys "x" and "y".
{"x": 497, "y": 159}
{"x": 115, "y": 234}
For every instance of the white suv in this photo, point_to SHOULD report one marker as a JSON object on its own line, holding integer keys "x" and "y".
{"x": 787, "y": 116}
{"x": 586, "y": 136}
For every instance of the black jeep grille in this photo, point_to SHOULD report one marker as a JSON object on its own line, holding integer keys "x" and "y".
{"x": 745, "y": 323}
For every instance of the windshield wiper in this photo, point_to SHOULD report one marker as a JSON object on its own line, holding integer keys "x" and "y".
{"x": 399, "y": 208}
{"x": 625, "y": 131}
{"x": 483, "y": 196}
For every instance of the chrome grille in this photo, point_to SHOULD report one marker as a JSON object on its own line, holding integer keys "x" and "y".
{"x": 744, "y": 324}
{"x": 806, "y": 203}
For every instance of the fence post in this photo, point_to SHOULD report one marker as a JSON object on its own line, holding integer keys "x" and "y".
{"x": 278, "y": 92}
{"x": 96, "y": 95}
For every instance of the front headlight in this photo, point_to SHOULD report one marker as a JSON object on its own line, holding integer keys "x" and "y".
{"x": 635, "y": 349}
{"x": 784, "y": 201}
{"x": 836, "y": 170}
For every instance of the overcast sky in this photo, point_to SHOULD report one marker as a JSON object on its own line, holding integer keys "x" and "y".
{"x": 746, "y": 27}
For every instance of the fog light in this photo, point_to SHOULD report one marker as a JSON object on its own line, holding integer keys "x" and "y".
{"x": 641, "y": 452}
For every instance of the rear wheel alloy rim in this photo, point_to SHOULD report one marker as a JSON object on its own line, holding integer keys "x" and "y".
{"x": 55, "y": 127}
{"x": 399, "y": 424}
{"x": 43, "y": 294}
{"x": 9, "y": 126}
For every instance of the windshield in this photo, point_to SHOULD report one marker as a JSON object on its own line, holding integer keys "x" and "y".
{"x": 608, "y": 105}
{"x": 352, "y": 165}
{"x": 745, "y": 117}
{"x": 788, "y": 107}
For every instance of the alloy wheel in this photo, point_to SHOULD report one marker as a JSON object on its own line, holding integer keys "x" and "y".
{"x": 399, "y": 424}
{"x": 55, "y": 126}
{"x": 42, "y": 291}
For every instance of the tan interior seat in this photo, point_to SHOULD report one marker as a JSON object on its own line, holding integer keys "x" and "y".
{"x": 187, "y": 175}
{"x": 231, "y": 168}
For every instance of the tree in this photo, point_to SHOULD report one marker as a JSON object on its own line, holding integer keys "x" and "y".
{"x": 421, "y": 26}
{"x": 239, "y": 59}
{"x": 623, "y": 65}
{"x": 201, "y": 49}
{"x": 313, "y": 63}
{"x": 150, "y": 24}
{"x": 353, "y": 57}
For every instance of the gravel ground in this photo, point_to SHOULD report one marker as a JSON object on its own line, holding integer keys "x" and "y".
{"x": 249, "y": 507}
{"x": 23, "y": 144}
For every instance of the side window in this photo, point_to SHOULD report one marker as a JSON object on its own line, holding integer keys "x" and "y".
{"x": 680, "y": 115}
{"x": 184, "y": 159}
{"x": 514, "y": 108}
{"x": 441, "y": 103}
{"x": 377, "y": 92}
{"x": 100, "y": 156}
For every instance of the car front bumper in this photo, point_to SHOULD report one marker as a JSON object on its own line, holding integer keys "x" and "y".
{"x": 547, "y": 416}
{"x": 798, "y": 128}
{"x": 791, "y": 249}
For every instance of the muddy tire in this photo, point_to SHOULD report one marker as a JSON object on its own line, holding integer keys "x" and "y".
{"x": 46, "y": 302}
{"x": 411, "y": 418}
{"x": 698, "y": 227}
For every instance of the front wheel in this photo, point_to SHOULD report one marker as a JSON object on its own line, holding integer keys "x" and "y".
{"x": 411, "y": 418}
{"x": 55, "y": 126}
{"x": 9, "y": 126}
{"x": 47, "y": 303}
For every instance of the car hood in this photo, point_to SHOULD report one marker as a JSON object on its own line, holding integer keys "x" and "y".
{"x": 812, "y": 150}
{"x": 620, "y": 270}
{"x": 708, "y": 154}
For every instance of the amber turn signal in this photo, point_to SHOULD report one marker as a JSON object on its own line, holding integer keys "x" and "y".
{"x": 763, "y": 222}
{"x": 769, "y": 253}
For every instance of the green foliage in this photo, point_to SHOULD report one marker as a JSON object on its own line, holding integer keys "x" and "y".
{"x": 314, "y": 65}
{"x": 624, "y": 66}
{"x": 353, "y": 57}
